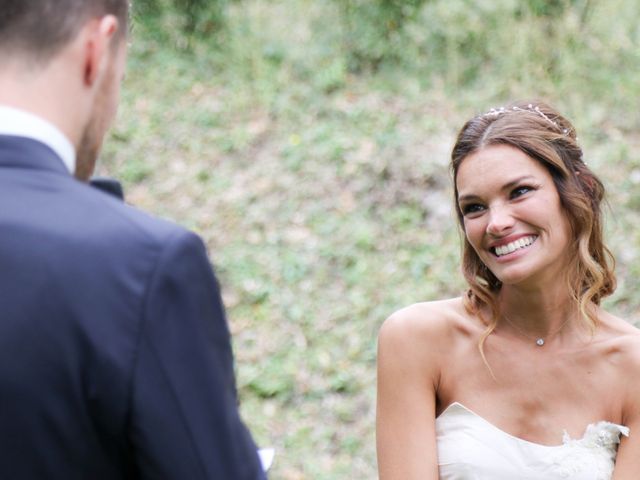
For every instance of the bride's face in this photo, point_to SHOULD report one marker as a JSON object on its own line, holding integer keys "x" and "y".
{"x": 512, "y": 215}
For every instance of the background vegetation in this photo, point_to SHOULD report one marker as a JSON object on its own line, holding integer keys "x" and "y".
{"x": 307, "y": 142}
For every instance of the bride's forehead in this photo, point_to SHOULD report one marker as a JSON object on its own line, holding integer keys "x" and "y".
{"x": 506, "y": 154}
{"x": 497, "y": 161}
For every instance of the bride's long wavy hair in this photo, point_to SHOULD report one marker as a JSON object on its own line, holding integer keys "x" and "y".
{"x": 543, "y": 134}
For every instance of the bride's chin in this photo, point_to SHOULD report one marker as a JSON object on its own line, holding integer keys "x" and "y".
{"x": 512, "y": 277}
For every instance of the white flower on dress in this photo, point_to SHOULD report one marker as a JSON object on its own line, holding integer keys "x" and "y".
{"x": 595, "y": 451}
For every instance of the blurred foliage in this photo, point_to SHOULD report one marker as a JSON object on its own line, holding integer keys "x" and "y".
{"x": 203, "y": 18}
{"x": 553, "y": 8}
{"x": 321, "y": 184}
{"x": 374, "y": 29}
{"x": 542, "y": 44}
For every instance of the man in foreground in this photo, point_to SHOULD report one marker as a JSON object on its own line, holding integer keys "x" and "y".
{"x": 115, "y": 359}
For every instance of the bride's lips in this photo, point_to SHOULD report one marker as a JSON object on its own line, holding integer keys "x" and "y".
{"x": 511, "y": 246}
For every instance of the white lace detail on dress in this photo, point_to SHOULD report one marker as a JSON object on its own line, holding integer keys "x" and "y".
{"x": 599, "y": 442}
{"x": 471, "y": 448}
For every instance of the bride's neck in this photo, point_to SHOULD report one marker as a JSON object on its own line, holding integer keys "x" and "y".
{"x": 537, "y": 312}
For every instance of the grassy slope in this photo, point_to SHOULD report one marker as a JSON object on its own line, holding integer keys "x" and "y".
{"x": 324, "y": 197}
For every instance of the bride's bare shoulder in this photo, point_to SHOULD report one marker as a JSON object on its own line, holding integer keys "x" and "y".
{"x": 620, "y": 349}
{"x": 619, "y": 337}
{"x": 427, "y": 322}
{"x": 618, "y": 343}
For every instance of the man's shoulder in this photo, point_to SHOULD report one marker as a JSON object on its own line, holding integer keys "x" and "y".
{"x": 116, "y": 221}
{"x": 82, "y": 227}
{"x": 86, "y": 228}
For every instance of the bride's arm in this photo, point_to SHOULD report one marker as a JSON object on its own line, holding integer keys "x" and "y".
{"x": 407, "y": 378}
{"x": 628, "y": 459}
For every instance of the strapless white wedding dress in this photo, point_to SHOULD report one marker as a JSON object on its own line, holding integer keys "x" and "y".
{"x": 471, "y": 448}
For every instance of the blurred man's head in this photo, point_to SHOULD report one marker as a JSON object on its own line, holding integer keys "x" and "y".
{"x": 40, "y": 28}
{"x": 64, "y": 60}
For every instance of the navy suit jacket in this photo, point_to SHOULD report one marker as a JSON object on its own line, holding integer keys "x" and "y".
{"x": 115, "y": 357}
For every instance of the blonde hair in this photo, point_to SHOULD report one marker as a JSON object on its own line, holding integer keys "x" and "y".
{"x": 547, "y": 137}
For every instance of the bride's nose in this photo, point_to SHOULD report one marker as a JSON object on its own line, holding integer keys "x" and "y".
{"x": 501, "y": 220}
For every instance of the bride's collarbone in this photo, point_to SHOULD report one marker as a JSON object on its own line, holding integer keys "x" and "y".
{"x": 515, "y": 356}
{"x": 546, "y": 377}
{"x": 531, "y": 386}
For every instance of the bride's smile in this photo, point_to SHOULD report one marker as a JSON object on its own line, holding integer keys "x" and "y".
{"x": 508, "y": 246}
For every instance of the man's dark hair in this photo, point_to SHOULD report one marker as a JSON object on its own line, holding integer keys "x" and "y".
{"x": 40, "y": 28}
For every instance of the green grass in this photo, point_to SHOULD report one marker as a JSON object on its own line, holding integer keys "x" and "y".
{"x": 323, "y": 192}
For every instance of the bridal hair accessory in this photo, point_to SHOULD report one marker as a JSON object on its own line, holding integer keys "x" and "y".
{"x": 496, "y": 112}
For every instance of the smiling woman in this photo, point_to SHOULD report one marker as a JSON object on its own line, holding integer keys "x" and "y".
{"x": 527, "y": 347}
{"x": 513, "y": 220}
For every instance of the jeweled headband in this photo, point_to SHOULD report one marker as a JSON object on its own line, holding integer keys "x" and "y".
{"x": 495, "y": 112}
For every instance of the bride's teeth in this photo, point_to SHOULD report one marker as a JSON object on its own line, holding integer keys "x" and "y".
{"x": 515, "y": 245}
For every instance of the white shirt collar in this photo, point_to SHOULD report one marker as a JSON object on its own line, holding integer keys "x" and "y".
{"x": 24, "y": 124}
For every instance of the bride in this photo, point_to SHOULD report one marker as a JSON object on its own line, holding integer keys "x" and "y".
{"x": 525, "y": 376}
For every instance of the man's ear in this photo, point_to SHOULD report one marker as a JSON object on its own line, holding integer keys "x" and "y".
{"x": 100, "y": 34}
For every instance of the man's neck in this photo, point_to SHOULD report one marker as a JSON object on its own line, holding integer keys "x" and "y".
{"x": 46, "y": 92}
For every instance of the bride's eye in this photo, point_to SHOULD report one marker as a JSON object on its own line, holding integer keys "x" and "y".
{"x": 471, "y": 208}
{"x": 521, "y": 190}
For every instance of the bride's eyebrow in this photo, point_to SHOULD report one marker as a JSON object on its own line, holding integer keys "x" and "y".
{"x": 517, "y": 181}
{"x": 507, "y": 186}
